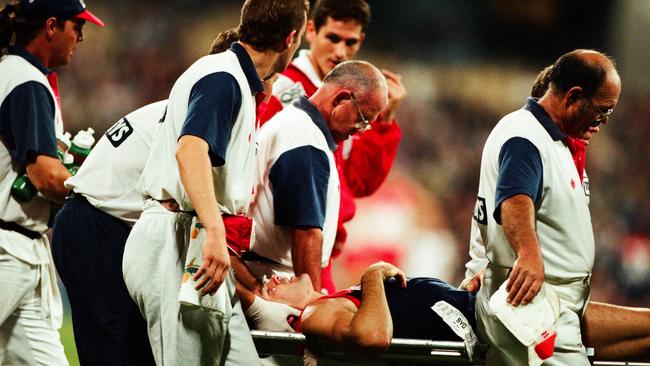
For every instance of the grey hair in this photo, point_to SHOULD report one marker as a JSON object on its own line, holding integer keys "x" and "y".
{"x": 364, "y": 79}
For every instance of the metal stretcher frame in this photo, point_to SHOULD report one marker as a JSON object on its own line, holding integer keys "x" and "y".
{"x": 400, "y": 352}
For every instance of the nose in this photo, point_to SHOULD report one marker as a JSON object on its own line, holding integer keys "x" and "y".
{"x": 340, "y": 51}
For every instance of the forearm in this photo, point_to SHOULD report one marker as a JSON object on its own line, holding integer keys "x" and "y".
{"x": 244, "y": 276}
{"x": 246, "y": 296}
{"x": 518, "y": 220}
{"x": 372, "y": 322}
{"x": 48, "y": 175}
{"x": 195, "y": 172}
{"x": 306, "y": 253}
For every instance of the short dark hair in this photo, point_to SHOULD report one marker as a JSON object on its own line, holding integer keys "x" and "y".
{"x": 355, "y": 10}
{"x": 573, "y": 69}
{"x": 265, "y": 24}
{"x": 23, "y": 30}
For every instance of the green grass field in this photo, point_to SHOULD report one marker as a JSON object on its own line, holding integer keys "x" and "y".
{"x": 67, "y": 338}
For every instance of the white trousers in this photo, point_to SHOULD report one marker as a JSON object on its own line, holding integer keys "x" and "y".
{"x": 504, "y": 349}
{"x": 27, "y": 335}
{"x": 153, "y": 262}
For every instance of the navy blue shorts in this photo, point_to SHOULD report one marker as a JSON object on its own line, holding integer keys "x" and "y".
{"x": 87, "y": 247}
{"x": 411, "y": 310}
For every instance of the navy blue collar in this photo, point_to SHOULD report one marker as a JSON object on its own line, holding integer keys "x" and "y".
{"x": 19, "y": 51}
{"x": 249, "y": 68}
{"x": 540, "y": 114}
{"x": 315, "y": 115}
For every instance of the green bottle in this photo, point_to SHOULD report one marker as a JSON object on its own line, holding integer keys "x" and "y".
{"x": 81, "y": 145}
{"x": 22, "y": 189}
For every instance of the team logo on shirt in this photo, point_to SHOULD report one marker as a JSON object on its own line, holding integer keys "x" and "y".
{"x": 119, "y": 132}
{"x": 573, "y": 184}
{"x": 480, "y": 211}
{"x": 291, "y": 94}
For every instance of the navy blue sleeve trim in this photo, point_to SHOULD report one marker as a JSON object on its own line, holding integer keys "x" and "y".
{"x": 520, "y": 172}
{"x": 27, "y": 122}
{"x": 299, "y": 180}
{"x": 213, "y": 108}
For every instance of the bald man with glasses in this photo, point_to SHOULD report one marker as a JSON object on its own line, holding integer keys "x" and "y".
{"x": 297, "y": 187}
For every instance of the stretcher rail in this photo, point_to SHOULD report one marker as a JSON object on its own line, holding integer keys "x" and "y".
{"x": 401, "y": 351}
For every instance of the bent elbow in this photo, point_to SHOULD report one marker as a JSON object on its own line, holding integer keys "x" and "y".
{"x": 373, "y": 344}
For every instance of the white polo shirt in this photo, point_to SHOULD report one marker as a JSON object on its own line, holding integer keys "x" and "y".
{"x": 109, "y": 176}
{"x": 297, "y": 183}
{"x": 562, "y": 218}
{"x": 232, "y": 177}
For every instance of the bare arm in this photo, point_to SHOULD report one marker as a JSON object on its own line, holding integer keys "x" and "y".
{"x": 47, "y": 174}
{"x": 366, "y": 331}
{"x": 307, "y": 252}
{"x": 518, "y": 220}
{"x": 195, "y": 171}
{"x": 244, "y": 276}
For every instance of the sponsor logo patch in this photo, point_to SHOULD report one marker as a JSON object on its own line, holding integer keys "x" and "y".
{"x": 480, "y": 211}
{"x": 119, "y": 132}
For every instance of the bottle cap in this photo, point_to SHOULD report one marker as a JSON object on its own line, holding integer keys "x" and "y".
{"x": 65, "y": 139}
{"x": 84, "y": 138}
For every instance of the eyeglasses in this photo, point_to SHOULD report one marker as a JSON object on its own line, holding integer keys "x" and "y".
{"x": 364, "y": 124}
{"x": 602, "y": 115}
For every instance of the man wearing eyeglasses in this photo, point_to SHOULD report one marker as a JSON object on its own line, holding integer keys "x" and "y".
{"x": 335, "y": 33}
{"x": 532, "y": 212}
{"x": 297, "y": 187}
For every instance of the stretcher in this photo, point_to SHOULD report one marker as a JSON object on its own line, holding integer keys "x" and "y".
{"x": 402, "y": 352}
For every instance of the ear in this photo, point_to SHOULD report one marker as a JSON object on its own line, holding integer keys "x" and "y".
{"x": 574, "y": 95}
{"x": 340, "y": 96}
{"x": 310, "y": 31}
{"x": 51, "y": 27}
{"x": 361, "y": 38}
{"x": 290, "y": 39}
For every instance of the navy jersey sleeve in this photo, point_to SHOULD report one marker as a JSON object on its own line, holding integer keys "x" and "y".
{"x": 520, "y": 172}
{"x": 27, "y": 122}
{"x": 299, "y": 180}
{"x": 214, "y": 104}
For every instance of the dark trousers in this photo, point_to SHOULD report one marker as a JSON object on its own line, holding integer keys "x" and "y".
{"x": 87, "y": 246}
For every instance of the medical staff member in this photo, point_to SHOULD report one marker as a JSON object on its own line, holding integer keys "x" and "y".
{"x": 88, "y": 240}
{"x": 532, "y": 213}
{"x": 335, "y": 33}
{"x": 202, "y": 163}
{"x": 46, "y": 33}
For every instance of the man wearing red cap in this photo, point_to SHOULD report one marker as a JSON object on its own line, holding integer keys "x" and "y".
{"x": 46, "y": 33}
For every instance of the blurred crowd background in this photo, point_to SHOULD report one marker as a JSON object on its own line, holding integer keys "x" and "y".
{"x": 465, "y": 64}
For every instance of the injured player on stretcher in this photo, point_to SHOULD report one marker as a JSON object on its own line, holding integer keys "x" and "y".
{"x": 362, "y": 320}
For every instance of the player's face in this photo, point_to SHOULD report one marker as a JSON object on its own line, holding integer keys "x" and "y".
{"x": 65, "y": 41}
{"x": 336, "y": 41}
{"x": 290, "y": 291}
